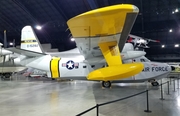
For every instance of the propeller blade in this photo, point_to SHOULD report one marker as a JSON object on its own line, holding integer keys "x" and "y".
{"x": 13, "y": 42}
{"x": 5, "y": 39}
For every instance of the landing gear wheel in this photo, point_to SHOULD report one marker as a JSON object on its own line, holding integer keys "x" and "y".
{"x": 7, "y": 75}
{"x": 155, "y": 83}
{"x": 106, "y": 84}
{"x": 53, "y": 78}
{"x": 1, "y": 76}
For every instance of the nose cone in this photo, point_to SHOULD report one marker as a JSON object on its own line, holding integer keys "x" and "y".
{"x": 169, "y": 68}
{"x": 140, "y": 53}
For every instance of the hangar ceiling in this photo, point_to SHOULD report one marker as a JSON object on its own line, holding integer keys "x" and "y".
{"x": 154, "y": 21}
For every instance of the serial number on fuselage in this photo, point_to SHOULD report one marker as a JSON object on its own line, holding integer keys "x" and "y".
{"x": 32, "y": 45}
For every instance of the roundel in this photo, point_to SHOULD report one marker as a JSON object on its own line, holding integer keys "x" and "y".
{"x": 70, "y": 65}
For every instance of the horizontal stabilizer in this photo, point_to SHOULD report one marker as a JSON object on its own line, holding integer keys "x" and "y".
{"x": 25, "y": 52}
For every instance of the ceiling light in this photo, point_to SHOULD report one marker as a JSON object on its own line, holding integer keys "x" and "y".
{"x": 38, "y": 27}
{"x": 72, "y": 39}
{"x": 163, "y": 46}
{"x": 176, "y": 10}
{"x": 11, "y": 43}
{"x": 172, "y": 12}
{"x": 170, "y": 30}
{"x": 176, "y": 45}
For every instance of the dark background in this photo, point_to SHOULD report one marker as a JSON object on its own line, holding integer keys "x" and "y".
{"x": 153, "y": 22}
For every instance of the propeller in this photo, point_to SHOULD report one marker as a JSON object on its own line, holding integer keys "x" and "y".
{"x": 8, "y": 57}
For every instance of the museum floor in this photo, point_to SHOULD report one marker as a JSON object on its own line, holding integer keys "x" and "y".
{"x": 23, "y": 96}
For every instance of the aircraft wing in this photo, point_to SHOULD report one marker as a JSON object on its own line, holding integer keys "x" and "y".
{"x": 102, "y": 26}
{"x": 25, "y": 52}
{"x": 104, "y": 32}
{"x": 130, "y": 19}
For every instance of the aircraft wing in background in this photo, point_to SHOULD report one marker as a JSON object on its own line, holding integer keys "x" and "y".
{"x": 25, "y": 52}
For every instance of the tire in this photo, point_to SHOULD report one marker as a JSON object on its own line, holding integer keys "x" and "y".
{"x": 7, "y": 75}
{"x": 1, "y": 76}
{"x": 106, "y": 84}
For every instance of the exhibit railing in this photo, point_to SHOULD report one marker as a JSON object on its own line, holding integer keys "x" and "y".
{"x": 143, "y": 92}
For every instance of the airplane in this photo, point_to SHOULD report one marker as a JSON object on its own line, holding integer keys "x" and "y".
{"x": 8, "y": 66}
{"x": 77, "y": 63}
{"x": 108, "y": 35}
{"x": 152, "y": 70}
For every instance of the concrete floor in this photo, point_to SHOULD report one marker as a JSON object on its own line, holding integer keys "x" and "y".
{"x": 43, "y": 97}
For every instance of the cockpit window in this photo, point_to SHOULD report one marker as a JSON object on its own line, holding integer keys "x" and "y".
{"x": 142, "y": 60}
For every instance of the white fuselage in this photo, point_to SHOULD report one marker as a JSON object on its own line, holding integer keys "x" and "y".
{"x": 76, "y": 67}
{"x": 72, "y": 65}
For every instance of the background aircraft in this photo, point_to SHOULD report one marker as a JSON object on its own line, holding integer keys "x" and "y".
{"x": 139, "y": 42}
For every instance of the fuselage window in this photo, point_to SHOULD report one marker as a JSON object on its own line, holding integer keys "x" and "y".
{"x": 84, "y": 66}
{"x": 92, "y": 66}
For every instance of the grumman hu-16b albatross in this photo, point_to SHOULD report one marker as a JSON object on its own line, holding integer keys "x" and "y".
{"x": 103, "y": 31}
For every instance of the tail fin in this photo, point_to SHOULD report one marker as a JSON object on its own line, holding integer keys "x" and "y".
{"x": 29, "y": 40}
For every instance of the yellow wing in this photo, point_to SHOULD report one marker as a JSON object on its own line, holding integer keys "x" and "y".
{"x": 106, "y": 29}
